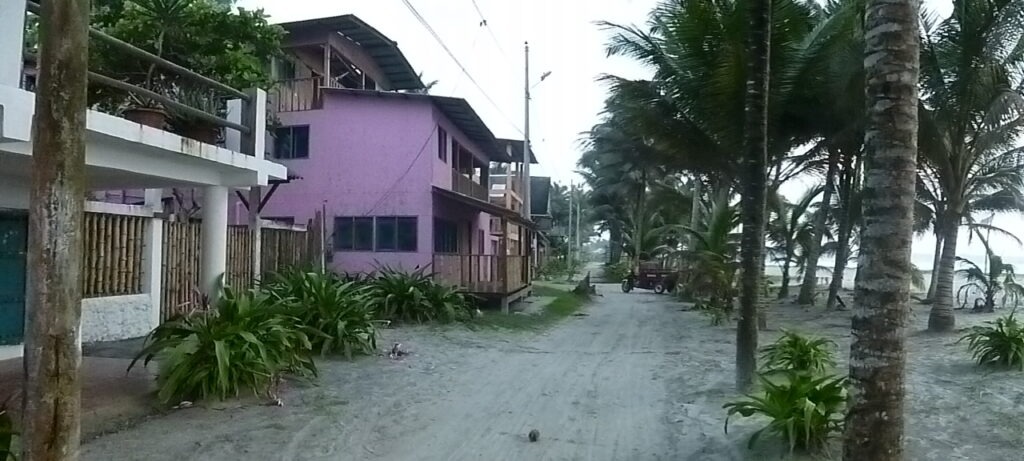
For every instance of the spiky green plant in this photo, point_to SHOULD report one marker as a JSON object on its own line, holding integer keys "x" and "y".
{"x": 339, "y": 312}
{"x": 794, "y": 352}
{"x": 415, "y": 297}
{"x": 245, "y": 342}
{"x": 8, "y": 434}
{"x": 998, "y": 343}
{"x": 804, "y": 410}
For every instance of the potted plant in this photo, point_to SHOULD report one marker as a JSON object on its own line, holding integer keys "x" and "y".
{"x": 191, "y": 126}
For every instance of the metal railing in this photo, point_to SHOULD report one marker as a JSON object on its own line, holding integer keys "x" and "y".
{"x": 467, "y": 186}
{"x": 246, "y": 96}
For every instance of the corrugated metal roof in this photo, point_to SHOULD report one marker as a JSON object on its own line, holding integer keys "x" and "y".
{"x": 383, "y": 50}
{"x": 457, "y": 110}
{"x": 517, "y": 150}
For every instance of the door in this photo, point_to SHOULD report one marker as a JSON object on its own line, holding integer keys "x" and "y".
{"x": 13, "y": 242}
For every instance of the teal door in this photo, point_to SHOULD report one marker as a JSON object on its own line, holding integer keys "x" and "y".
{"x": 13, "y": 242}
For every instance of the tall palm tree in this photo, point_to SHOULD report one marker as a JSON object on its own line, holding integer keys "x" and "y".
{"x": 790, "y": 232}
{"x": 972, "y": 115}
{"x": 754, "y": 192}
{"x": 874, "y": 421}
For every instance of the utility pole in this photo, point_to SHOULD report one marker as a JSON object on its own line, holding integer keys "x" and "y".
{"x": 579, "y": 246}
{"x": 51, "y": 420}
{"x": 568, "y": 230}
{"x": 526, "y": 133}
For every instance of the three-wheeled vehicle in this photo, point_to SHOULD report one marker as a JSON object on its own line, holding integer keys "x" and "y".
{"x": 650, "y": 276}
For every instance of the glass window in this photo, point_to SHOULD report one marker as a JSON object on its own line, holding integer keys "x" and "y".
{"x": 406, "y": 234}
{"x": 442, "y": 144}
{"x": 386, "y": 234}
{"x": 291, "y": 142}
{"x": 353, "y": 234}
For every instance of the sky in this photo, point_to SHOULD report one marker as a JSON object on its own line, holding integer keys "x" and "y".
{"x": 487, "y": 36}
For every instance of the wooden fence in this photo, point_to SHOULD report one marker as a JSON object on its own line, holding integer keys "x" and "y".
{"x": 180, "y": 277}
{"x": 239, "y": 258}
{"x": 112, "y": 254}
{"x": 280, "y": 249}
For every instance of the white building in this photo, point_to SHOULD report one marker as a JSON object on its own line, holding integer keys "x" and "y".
{"x": 120, "y": 155}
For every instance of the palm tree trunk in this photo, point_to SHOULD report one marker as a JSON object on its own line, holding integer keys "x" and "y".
{"x": 51, "y": 416}
{"x": 638, "y": 218}
{"x": 810, "y": 280}
{"x": 615, "y": 242}
{"x": 694, "y": 208}
{"x": 754, "y": 192}
{"x": 845, "y": 232}
{"x": 874, "y": 419}
{"x": 784, "y": 287}
{"x": 937, "y": 258}
{"x": 941, "y": 317}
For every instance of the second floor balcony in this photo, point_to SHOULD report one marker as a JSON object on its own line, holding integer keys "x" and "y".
{"x": 466, "y": 185}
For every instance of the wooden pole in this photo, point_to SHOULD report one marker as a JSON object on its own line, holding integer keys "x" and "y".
{"x": 51, "y": 417}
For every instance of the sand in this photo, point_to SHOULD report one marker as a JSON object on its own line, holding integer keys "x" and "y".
{"x": 635, "y": 379}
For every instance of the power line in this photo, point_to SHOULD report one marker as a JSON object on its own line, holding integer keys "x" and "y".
{"x": 465, "y": 71}
{"x": 391, "y": 189}
{"x": 486, "y": 25}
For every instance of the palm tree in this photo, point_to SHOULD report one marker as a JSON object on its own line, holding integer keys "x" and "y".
{"x": 710, "y": 261}
{"x": 973, "y": 114}
{"x": 996, "y": 279}
{"x": 790, "y": 232}
{"x": 874, "y": 421}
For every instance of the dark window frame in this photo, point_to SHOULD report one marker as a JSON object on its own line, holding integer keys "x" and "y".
{"x": 446, "y": 236}
{"x": 397, "y": 244}
{"x": 442, "y": 144}
{"x": 287, "y": 134}
{"x": 351, "y": 225}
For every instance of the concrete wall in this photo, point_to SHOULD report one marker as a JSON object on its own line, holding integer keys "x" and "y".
{"x": 116, "y": 317}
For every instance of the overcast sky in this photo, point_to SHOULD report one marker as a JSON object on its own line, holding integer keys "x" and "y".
{"x": 564, "y": 40}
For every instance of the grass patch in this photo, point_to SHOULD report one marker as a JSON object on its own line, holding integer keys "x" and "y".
{"x": 564, "y": 304}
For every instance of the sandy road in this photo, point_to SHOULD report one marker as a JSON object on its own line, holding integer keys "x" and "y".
{"x": 611, "y": 385}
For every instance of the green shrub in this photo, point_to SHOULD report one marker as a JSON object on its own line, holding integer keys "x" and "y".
{"x": 715, "y": 313}
{"x": 245, "y": 342}
{"x": 339, "y": 312}
{"x": 415, "y": 297}
{"x": 1000, "y": 343}
{"x": 7, "y": 433}
{"x": 797, "y": 353}
{"x": 804, "y": 410}
{"x": 616, "y": 272}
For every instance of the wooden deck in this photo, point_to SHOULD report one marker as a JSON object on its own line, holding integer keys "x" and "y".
{"x": 483, "y": 274}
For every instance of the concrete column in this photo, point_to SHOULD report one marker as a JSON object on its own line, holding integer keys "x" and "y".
{"x": 12, "y": 39}
{"x": 152, "y": 256}
{"x": 214, "y": 232}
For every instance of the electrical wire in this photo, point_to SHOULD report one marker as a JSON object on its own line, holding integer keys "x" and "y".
{"x": 391, "y": 189}
{"x": 486, "y": 25}
{"x": 426, "y": 25}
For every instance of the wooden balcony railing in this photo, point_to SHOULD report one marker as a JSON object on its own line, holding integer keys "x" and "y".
{"x": 466, "y": 186}
{"x": 487, "y": 274}
{"x": 296, "y": 95}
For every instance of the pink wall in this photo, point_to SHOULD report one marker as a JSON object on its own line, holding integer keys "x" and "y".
{"x": 369, "y": 156}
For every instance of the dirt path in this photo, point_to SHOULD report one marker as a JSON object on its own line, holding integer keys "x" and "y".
{"x": 635, "y": 379}
{"x": 596, "y": 387}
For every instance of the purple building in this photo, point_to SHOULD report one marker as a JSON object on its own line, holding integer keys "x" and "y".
{"x": 403, "y": 176}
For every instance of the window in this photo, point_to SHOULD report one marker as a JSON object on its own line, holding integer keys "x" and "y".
{"x": 285, "y": 68}
{"x": 353, "y": 234}
{"x": 442, "y": 144}
{"x": 291, "y": 142}
{"x": 395, "y": 234}
{"x": 446, "y": 236}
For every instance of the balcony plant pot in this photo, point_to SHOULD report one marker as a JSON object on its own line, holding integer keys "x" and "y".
{"x": 148, "y": 116}
{"x": 206, "y": 133}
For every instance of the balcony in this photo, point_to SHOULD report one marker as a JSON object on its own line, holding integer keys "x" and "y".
{"x": 482, "y": 274}
{"x": 297, "y": 94}
{"x": 467, "y": 186}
